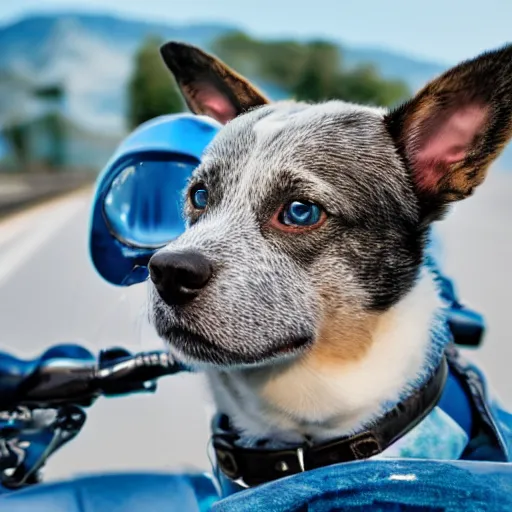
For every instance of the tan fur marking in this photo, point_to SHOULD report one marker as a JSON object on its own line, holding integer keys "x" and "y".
{"x": 303, "y": 388}
{"x": 343, "y": 337}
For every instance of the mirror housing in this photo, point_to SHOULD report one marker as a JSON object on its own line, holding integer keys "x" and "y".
{"x": 137, "y": 201}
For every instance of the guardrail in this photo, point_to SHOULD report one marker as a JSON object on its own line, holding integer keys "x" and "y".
{"x": 18, "y": 191}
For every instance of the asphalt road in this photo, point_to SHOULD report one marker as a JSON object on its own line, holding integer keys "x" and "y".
{"x": 49, "y": 293}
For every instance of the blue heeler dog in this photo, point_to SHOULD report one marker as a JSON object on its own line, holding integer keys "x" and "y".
{"x": 300, "y": 285}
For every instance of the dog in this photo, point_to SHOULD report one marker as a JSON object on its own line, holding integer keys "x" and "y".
{"x": 300, "y": 286}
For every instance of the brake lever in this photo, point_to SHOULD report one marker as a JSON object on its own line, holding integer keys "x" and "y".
{"x": 27, "y": 451}
{"x": 11, "y": 455}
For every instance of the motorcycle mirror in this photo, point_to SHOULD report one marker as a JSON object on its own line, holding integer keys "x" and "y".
{"x": 138, "y": 199}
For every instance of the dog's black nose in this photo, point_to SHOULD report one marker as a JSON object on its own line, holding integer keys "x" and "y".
{"x": 179, "y": 276}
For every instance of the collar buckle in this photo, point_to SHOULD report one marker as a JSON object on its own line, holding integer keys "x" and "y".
{"x": 227, "y": 462}
{"x": 365, "y": 447}
{"x": 283, "y": 467}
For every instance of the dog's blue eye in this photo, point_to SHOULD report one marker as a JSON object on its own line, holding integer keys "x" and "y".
{"x": 199, "y": 198}
{"x": 301, "y": 213}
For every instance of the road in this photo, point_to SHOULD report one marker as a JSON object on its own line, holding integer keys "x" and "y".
{"x": 50, "y": 293}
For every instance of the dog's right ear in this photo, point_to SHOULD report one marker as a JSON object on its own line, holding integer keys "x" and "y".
{"x": 209, "y": 86}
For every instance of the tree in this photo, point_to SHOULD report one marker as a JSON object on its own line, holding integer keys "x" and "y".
{"x": 364, "y": 85}
{"x": 151, "y": 92}
{"x": 54, "y": 95}
{"x": 320, "y": 69}
{"x": 311, "y": 71}
{"x": 279, "y": 62}
{"x": 16, "y": 135}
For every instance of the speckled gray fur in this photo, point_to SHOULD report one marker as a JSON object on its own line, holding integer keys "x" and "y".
{"x": 266, "y": 286}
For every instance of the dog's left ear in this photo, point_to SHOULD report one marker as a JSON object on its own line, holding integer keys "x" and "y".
{"x": 209, "y": 86}
{"x": 454, "y": 128}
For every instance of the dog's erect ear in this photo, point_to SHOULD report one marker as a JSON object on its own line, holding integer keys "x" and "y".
{"x": 454, "y": 128}
{"x": 209, "y": 86}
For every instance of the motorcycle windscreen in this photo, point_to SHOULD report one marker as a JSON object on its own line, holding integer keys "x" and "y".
{"x": 384, "y": 485}
{"x": 138, "y": 202}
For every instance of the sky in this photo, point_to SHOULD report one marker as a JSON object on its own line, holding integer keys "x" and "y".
{"x": 445, "y": 31}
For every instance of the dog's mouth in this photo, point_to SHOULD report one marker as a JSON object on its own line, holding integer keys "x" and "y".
{"x": 200, "y": 349}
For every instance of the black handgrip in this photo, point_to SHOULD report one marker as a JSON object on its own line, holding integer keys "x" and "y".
{"x": 71, "y": 374}
{"x": 135, "y": 373}
{"x": 467, "y": 326}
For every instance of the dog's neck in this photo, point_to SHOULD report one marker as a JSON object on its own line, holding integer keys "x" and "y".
{"x": 320, "y": 399}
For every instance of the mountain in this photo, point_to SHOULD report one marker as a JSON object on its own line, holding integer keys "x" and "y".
{"x": 26, "y": 36}
{"x": 394, "y": 65}
{"x": 91, "y": 56}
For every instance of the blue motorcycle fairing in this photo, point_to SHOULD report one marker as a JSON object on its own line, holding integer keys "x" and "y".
{"x": 116, "y": 492}
{"x": 137, "y": 202}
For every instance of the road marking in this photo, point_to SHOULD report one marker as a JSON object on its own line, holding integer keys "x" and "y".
{"x": 33, "y": 229}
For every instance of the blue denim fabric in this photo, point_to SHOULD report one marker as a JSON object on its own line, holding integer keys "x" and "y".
{"x": 394, "y": 485}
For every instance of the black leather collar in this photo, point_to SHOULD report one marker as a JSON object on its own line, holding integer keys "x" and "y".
{"x": 253, "y": 466}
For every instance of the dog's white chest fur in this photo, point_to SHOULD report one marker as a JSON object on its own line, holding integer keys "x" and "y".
{"x": 292, "y": 401}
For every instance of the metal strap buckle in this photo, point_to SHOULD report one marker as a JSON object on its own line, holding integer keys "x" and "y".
{"x": 365, "y": 447}
{"x": 227, "y": 463}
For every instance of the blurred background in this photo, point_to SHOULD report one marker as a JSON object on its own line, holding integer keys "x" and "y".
{"x": 76, "y": 76}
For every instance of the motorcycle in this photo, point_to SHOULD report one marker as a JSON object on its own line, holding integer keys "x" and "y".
{"x": 136, "y": 210}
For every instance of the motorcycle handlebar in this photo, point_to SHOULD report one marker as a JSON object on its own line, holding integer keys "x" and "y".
{"x": 71, "y": 374}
